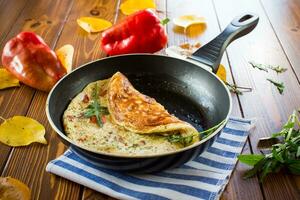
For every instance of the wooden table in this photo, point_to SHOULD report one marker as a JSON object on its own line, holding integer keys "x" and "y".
{"x": 275, "y": 41}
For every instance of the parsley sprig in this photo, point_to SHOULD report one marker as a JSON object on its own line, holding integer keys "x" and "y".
{"x": 95, "y": 109}
{"x": 284, "y": 154}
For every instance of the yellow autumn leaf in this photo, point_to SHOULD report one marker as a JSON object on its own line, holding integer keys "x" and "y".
{"x": 131, "y": 6}
{"x": 7, "y": 79}
{"x": 21, "y": 131}
{"x": 187, "y": 20}
{"x": 11, "y": 188}
{"x": 65, "y": 55}
{"x": 221, "y": 73}
{"x": 93, "y": 24}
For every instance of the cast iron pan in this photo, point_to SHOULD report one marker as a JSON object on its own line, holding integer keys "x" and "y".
{"x": 187, "y": 90}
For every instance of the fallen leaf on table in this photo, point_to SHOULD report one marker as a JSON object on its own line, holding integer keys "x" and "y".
{"x": 21, "y": 131}
{"x": 131, "y": 6}
{"x": 221, "y": 73}
{"x": 187, "y": 20}
{"x": 93, "y": 24}
{"x": 65, "y": 55}
{"x": 13, "y": 189}
{"x": 7, "y": 79}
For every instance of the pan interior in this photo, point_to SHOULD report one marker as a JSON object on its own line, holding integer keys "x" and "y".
{"x": 173, "y": 94}
{"x": 188, "y": 91}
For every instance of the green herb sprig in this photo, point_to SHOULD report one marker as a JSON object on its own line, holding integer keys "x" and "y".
{"x": 187, "y": 140}
{"x": 285, "y": 154}
{"x": 278, "y": 69}
{"x": 237, "y": 89}
{"x": 259, "y": 66}
{"x": 95, "y": 109}
{"x": 280, "y": 86}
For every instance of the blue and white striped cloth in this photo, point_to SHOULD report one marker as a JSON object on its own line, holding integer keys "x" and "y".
{"x": 203, "y": 178}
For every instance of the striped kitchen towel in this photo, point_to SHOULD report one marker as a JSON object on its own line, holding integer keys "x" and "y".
{"x": 203, "y": 178}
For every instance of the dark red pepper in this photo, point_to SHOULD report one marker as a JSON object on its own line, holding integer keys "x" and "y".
{"x": 31, "y": 60}
{"x": 141, "y": 32}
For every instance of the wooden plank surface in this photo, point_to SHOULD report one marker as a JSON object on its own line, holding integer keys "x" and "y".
{"x": 265, "y": 103}
{"x": 285, "y": 20}
{"x": 55, "y": 21}
{"x": 50, "y": 16}
{"x": 45, "y": 183}
{"x": 47, "y": 19}
{"x": 205, "y": 8}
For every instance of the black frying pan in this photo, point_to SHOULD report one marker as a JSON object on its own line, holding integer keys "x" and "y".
{"x": 189, "y": 91}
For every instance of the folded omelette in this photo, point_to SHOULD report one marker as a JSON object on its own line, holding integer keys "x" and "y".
{"x": 111, "y": 116}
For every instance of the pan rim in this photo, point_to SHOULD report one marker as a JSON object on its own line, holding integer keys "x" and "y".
{"x": 64, "y": 136}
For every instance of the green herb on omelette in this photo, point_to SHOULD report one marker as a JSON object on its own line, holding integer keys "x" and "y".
{"x": 187, "y": 140}
{"x": 95, "y": 109}
{"x": 284, "y": 154}
{"x": 177, "y": 138}
{"x": 280, "y": 86}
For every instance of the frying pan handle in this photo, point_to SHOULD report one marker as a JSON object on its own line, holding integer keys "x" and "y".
{"x": 211, "y": 53}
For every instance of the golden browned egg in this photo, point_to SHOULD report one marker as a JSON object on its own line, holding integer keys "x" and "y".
{"x": 123, "y": 131}
{"x": 139, "y": 113}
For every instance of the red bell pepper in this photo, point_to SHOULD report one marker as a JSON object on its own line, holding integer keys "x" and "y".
{"x": 141, "y": 32}
{"x": 31, "y": 60}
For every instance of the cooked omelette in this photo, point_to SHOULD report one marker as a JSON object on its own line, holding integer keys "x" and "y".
{"x": 127, "y": 122}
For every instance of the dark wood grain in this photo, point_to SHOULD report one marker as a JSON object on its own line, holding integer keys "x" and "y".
{"x": 87, "y": 48}
{"x": 41, "y": 11}
{"x": 265, "y": 103}
{"x": 28, "y": 163}
{"x": 285, "y": 20}
{"x": 10, "y": 9}
{"x": 176, "y": 37}
{"x": 275, "y": 41}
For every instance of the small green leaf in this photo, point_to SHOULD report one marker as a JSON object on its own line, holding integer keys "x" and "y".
{"x": 277, "y": 69}
{"x": 165, "y": 21}
{"x": 250, "y": 159}
{"x": 294, "y": 167}
{"x": 277, "y": 155}
{"x": 257, "y": 167}
{"x": 258, "y": 66}
{"x": 298, "y": 151}
{"x": 280, "y": 86}
{"x": 266, "y": 169}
